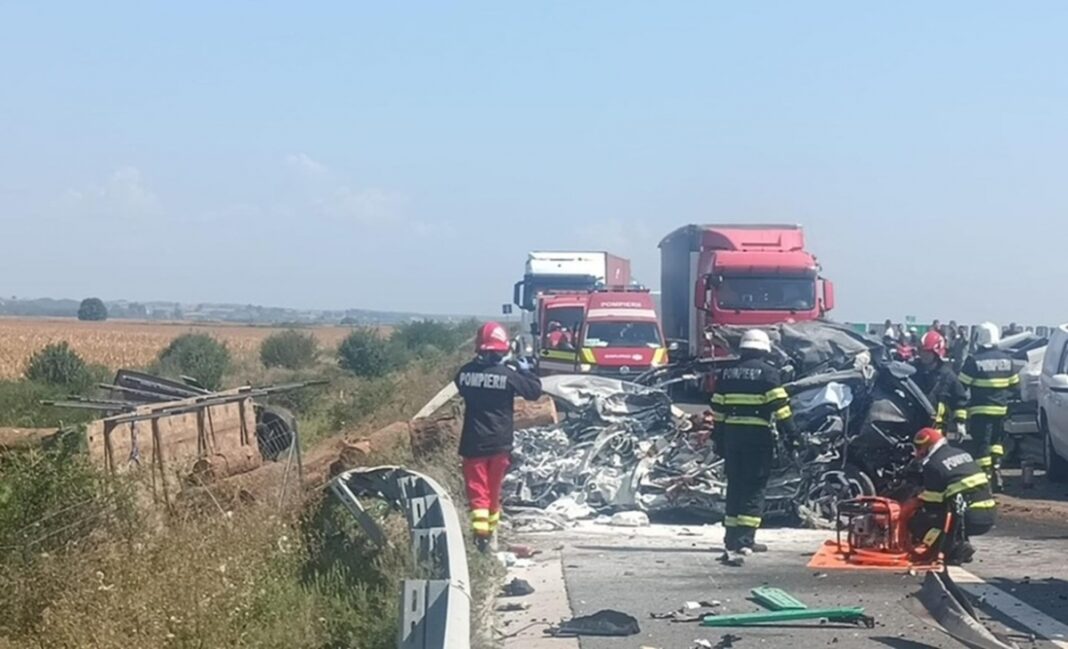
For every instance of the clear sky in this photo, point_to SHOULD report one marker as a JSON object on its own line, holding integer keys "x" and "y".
{"x": 407, "y": 155}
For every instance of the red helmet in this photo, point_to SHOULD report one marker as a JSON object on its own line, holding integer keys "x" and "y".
{"x": 492, "y": 337}
{"x": 934, "y": 342}
{"x": 925, "y": 440}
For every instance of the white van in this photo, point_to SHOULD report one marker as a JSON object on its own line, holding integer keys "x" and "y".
{"x": 1053, "y": 405}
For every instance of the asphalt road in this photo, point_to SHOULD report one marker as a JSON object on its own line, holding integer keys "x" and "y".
{"x": 1019, "y": 580}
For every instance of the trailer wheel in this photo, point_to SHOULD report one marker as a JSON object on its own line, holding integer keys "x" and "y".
{"x": 275, "y": 431}
{"x": 1056, "y": 466}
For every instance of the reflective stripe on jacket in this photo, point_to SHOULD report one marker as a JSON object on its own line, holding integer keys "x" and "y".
{"x": 990, "y": 377}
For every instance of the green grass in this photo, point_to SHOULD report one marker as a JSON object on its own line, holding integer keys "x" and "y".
{"x": 302, "y": 576}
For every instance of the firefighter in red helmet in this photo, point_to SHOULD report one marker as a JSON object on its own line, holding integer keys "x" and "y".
{"x": 940, "y": 383}
{"x": 489, "y": 387}
{"x": 956, "y": 502}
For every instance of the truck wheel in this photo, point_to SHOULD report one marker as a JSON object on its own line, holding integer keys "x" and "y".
{"x": 1056, "y": 466}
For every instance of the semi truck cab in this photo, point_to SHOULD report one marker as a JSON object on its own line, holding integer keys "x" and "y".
{"x": 742, "y": 275}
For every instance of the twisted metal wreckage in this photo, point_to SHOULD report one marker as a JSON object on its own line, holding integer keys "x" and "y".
{"x": 624, "y": 446}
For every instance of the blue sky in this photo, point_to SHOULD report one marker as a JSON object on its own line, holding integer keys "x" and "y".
{"x": 408, "y": 155}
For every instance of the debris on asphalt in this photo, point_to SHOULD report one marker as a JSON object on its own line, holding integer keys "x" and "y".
{"x": 726, "y": 641}
{"x": 523, "y": 551}
{"x": 630, "y": 519}
{"x": 517, "y": 588}
{"x": 941, "y": 604}
{"x": 605, "y": 623}
{"x": 845, "y": 614}
{"x": 688, "y": 612}
{"x": 507, "y": 559}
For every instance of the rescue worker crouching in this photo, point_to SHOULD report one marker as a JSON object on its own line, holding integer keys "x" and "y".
{"x": 748, "y": 405}
{"x": 992, "y": 381}
{"x": 940, "y": 384}
{"x": 956, "y": 502}
{"x": 489, "y": 387}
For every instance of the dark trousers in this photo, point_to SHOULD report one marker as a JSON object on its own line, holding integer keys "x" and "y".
{"x": 927, "y": 526}
{"x": 987, "y": 440}
{"x": 749, "y": 454}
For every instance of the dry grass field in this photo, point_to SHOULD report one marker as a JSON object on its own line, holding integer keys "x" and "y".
{"x": 127, "y": 343}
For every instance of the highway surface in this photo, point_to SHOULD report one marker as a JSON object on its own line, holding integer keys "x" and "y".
{"x": 1019, "y": 580}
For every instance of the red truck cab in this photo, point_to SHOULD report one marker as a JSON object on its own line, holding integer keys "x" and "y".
{"x": 612, "y": 332}
{"x": 743, "y": 275}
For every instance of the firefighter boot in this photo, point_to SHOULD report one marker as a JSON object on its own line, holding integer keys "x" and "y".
{"x": 996, "y": 483}
{"x": 483, "y": 544}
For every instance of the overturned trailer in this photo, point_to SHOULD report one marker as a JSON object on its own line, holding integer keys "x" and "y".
{"x": 623, "y": 446}
{"x": 176, "y": 434}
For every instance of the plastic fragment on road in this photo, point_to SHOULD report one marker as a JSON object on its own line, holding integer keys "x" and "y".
{"x": 777, "y": 599}
{"x": 630, "y": 519}
{"x": 850, "y": 614}
{"x": 602, "y": 623}
{"x": 517, "y": 588}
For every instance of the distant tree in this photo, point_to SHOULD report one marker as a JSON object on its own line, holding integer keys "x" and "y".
{"x": 197, "y": 355}
{"x": 290, "y": 349}
{"x": 92, "y": 309}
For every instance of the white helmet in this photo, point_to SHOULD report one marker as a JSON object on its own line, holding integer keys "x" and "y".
{"x": 987, "y": 334}
{"x": 756, "y": 339}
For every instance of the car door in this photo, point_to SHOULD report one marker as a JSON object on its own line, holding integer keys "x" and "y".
{"x": 1057, "y": 404}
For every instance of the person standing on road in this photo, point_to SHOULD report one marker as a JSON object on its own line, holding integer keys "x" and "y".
{"x": 993, "y": 381}
{"x": 958, "y": 348}
{"x": 938, "y": 381}
{"x": 956, "y": 502}
{"x": 489, "y": 387}
{"x": 748, "y": 406}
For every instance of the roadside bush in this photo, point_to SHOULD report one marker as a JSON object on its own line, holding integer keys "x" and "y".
{"x": 92, "y": 309}
{"x": 416, "y": 336}
{"x": 197, "y": 355}
{"x": 290, "y": 349}
{"x": 367, "y": 353}
{"x": 59, "y": 365}
{"x": 20, "y": 406}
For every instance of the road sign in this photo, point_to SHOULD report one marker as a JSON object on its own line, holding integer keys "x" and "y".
{"x": 506, "y": 309}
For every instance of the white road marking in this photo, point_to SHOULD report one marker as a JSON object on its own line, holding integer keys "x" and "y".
{"x": 1038, "y": 622}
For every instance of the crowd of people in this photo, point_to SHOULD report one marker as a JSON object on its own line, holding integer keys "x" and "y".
{"x": 903, "y": 341}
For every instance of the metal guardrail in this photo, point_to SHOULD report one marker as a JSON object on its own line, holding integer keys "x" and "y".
{"x": 435, "y": 612}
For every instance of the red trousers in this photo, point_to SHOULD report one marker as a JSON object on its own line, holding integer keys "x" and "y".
{"x": 482, "y": 479}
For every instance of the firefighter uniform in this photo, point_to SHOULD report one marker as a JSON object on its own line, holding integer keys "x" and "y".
{"x": 748, "y": 404}
{"x": 992, "y": 381}
{"x": 953, "y": 485}
{"x": 489, "y": 388}
{"x": 944, "y": 390}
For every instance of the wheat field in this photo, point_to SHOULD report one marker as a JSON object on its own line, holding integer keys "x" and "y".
{"x": 127, "y": 343}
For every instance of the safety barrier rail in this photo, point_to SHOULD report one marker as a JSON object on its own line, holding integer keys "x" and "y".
{"x": 435, "y": 612}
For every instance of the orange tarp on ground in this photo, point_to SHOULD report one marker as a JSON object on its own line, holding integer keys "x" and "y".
{"x": 832, "y": 557}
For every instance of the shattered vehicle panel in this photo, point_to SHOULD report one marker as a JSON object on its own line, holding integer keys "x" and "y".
{"x": 622, "y": 447}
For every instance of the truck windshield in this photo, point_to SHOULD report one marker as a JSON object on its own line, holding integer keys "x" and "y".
{"x": 561, "y": 324}
{"x": 623, "y": 334}
{"x": 766, "y": 293}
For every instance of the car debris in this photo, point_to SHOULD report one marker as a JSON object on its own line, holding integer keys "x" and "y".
{"x": 623, "y": 446}
{"x": 688, "y": 612}
{"x": 517, "y": 588}
{"x": 604, "y": 623}
{"x": 942, "y": 605}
